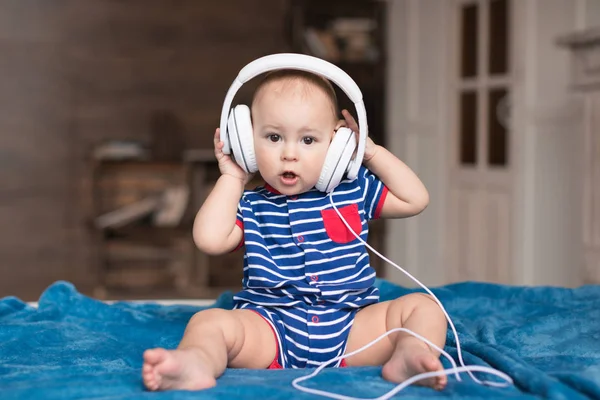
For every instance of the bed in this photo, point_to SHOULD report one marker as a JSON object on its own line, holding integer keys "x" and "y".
{"x": 69, "y": 346}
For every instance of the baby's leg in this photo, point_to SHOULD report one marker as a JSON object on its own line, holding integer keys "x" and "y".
{"x": 213, "y": 340}
{"x": 401, "y": 354}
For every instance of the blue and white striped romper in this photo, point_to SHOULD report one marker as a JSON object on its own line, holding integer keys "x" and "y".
{"x": 304, "y": 272}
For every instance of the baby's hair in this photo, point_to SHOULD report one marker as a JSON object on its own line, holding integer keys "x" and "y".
{"x": 293, "y": 75}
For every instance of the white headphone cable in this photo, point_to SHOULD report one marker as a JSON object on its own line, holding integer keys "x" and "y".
{"x": 456, "y": 370}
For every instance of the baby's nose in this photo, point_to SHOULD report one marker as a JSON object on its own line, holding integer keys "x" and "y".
{"x": 289, "y": 153}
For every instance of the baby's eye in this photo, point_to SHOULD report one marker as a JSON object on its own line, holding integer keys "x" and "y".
{"x": 274, "y": 137}
{"x": 308, "y": 140}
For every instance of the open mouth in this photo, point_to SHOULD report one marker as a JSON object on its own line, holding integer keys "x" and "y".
{"x": 289, "y": 178}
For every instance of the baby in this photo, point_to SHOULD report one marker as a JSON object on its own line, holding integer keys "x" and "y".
{"x": 308, "y": 293}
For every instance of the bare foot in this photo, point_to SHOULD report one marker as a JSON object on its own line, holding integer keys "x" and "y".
{"x": 176, "y": 369}
{"x": 413, "y": 357}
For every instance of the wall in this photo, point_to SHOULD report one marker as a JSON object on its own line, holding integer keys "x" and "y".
{"x": 417, "y": 132}
{"x": 552, "y": 127}
{"x": 75, "y": 73}
{"x": 547, "y": 127}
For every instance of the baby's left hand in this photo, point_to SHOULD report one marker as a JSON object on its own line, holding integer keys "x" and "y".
{"x": 370, "y": 146}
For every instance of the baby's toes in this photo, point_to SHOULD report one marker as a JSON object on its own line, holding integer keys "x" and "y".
{"x": 150, "y": 379}
{"x": 440, "y": 382}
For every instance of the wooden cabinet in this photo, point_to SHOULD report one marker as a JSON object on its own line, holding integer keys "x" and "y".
{"x": 138, "y": 250}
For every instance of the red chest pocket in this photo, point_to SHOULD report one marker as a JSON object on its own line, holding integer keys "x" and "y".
{"x": 335, "y": 227}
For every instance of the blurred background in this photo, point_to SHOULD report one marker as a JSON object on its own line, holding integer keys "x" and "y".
{"x": 108, "y": 108}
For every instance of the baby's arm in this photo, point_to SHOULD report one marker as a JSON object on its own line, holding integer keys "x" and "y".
{"x": 407, "y": 196}
{"x": 215, "y": 230}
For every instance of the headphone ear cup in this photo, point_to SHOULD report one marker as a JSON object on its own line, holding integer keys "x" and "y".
{"x": 239, "y": 128}
{"x": 337, "y": 160}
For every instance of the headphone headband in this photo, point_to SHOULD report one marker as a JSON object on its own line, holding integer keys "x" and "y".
{"x": 310, "y": 64}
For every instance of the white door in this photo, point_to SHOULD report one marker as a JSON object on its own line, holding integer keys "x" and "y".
{"x": 591, "y": 190}
{"x": 481, "y": 169}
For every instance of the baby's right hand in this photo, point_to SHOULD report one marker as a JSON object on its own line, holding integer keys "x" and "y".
{"x": 227, "y": 165}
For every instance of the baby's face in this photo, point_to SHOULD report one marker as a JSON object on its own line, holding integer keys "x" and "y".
{"x": 293, "y": 126}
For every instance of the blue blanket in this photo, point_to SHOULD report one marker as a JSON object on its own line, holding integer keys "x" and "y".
{"x": 72, "y": 346}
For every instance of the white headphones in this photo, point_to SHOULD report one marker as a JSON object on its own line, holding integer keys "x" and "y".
{"x": 236, "y": 126}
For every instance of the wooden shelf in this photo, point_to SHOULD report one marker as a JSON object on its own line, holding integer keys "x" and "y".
{"x": 140, "y": 255}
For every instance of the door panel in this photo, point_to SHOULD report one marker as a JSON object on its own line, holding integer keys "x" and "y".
{"x": 480, "y": 170}
{"x": 591, "y": 191}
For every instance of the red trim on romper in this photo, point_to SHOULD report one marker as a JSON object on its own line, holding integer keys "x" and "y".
{"x": 384, "y": 193}
{"x": 241, "y": 225}
{"x": 275, "y": 364}
{"x": 271, "y": 189}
